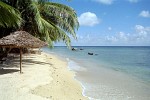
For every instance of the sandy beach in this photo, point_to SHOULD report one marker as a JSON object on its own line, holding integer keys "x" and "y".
{"x": 45, "y": 77}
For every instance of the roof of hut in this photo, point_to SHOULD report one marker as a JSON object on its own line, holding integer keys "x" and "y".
{"x": 21, "y": 39}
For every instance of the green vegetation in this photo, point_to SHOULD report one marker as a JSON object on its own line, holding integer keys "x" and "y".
{"x": 9, "y": 17}
{"x": 49, "y": 21}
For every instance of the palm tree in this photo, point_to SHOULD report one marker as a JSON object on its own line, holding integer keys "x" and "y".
{"x": 49, "y": 21}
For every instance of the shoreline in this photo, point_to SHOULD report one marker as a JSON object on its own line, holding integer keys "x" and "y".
{"x": 114, "y": 84}
{"x": 74, "y": 70}
{"x": 71, "y": 75}
{"x": 45, "y": 77}
{"x": 101, "y": 79}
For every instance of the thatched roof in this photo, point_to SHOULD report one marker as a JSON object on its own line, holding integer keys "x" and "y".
{"x": 21, "y": 39}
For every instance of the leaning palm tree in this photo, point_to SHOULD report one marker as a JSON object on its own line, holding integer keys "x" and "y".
{"x": 49, "y": 21}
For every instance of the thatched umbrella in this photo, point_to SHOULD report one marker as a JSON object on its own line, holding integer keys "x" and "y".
{"x": 21, "y": 39}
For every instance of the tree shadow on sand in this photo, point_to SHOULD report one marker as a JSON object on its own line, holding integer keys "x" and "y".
{"x": 12, "y": 65}
{"x": 7, "y": 71}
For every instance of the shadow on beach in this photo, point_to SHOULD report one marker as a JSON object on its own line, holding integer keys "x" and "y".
{"x": 12, "y": 64}
{"x": 7, "y": 71}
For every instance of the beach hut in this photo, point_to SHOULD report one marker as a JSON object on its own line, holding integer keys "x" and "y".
{"x": 21, "y": 39}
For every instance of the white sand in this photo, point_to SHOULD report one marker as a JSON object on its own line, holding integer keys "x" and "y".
{"x": 45, "y": 77}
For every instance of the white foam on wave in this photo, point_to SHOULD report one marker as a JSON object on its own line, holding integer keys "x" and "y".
{"x": 75, "y": 67}
{"x": 93, "y": 92}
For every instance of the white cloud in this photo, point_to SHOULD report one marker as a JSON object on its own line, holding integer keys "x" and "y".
{"x": 107, "y": 2}
{"x": 144, "y": 14}
{"x": 142, "y": 31}
{"x": 133, "y": 1}
{"x": 140, "y": 37}
{"x": 109, "y": 28}
{"x": 120, "y": 36}
{"x": 111, "y": 38}
{"x": 88, "y": 19}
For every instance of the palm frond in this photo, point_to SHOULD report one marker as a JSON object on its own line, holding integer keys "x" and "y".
{"x": 65, "y": 16}
{"x": 48, "y": 30}
{"x": 9, "y": 16}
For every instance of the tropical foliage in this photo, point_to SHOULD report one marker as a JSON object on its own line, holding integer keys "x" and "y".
{"x": 49, "y": 21}
{"x": 9, "y": 17}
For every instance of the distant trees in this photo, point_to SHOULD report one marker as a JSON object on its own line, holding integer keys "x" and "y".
{"x": 49, "y": 21}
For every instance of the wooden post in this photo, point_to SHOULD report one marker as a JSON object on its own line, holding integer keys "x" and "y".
{"x": 20, "y": 60}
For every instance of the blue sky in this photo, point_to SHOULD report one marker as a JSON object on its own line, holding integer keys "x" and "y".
{"x": 111, "y": 22}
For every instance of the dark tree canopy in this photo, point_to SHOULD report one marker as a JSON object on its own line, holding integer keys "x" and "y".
{"x": 49, "y": 21}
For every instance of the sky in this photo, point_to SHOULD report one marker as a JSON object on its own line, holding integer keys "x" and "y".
{"x": 111, "y": 22}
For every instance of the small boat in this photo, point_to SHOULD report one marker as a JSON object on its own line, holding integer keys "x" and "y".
{"x": 81, "y": 49}
{"x": 90, "y": 53}
{"x": 74, "y": 49}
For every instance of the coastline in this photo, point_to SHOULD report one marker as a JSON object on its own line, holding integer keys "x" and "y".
{"x": 45, "y": 77}
{"x": 100, "y": 78}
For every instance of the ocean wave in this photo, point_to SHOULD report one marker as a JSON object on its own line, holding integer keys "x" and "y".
{"x": 72, "y": 65}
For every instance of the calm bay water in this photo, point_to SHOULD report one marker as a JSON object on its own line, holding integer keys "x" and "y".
{"x": 112, "y": 73}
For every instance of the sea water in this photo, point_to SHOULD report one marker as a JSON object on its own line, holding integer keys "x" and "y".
{"x": 111, "y": 73}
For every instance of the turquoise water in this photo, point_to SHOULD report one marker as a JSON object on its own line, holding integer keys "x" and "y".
{"x": 112, "y": 73}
